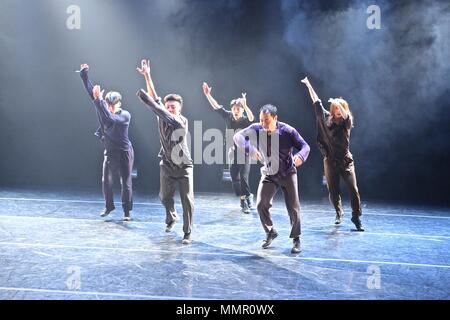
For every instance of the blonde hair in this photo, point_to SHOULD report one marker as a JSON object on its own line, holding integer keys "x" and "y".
{"x": 344, "y": 104}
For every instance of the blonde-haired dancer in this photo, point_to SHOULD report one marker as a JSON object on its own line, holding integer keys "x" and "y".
{"x": 333, "y": 139}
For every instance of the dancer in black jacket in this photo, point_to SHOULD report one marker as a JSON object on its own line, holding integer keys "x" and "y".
{"x": 176, "y": 166}
{"x": 236, "y": 120}
{"x": 333, "y": 139}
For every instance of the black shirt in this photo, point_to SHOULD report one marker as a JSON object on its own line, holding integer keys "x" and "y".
{"x": 170, "y": 126}
{"x": 333, "y": 137}
{"x": 235, "y": 125}
{"x": 232, "y": 123}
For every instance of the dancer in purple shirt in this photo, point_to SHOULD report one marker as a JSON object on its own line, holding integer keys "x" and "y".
{"x": 272, "y": 142}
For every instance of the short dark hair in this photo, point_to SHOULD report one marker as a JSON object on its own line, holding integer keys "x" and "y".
{"x": 113, "y": 98}
{"x": 236, "y": 102}
{"x": 174, "y": 97}
{"x": 268, "y": 108}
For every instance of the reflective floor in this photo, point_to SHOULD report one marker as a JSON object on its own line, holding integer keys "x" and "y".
{"x": 54, "y": 245}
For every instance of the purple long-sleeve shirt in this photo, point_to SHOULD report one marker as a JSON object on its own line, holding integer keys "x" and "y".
{"x": 276, "y": 148}
{"x": 113, "y": 126}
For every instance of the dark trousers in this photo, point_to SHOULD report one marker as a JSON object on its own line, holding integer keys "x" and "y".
{"x": 333, "y": 173}
{"x": 119, "y": 163}
{"x": 170, "y": 176}
{"x": 239, "y": 177}
{"x": 268, "y": 187}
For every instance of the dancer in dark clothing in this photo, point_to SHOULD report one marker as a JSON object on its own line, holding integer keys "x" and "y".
{"x": 236, "y": 120}
{"x": 176, "y": 166}
{"x": 333, "y": 139}
{"x": 118, "y": 154}
{"x": 272, "y": 142}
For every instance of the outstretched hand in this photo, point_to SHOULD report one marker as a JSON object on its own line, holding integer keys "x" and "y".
{"x": 244, "y": 99}
{"x": 84, "y": 66}
{"x": 206, "y": 89}
{"x": 145, "y": 67}
{"x": 305, "y": 81}
{"x": 97, "y": 92}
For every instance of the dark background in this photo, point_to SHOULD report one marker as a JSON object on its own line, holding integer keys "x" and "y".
{"x": 396, "y": 80}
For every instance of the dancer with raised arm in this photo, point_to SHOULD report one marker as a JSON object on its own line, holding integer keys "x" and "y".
{"x": 236, "y": 120}
{"x": 333, "y": 139}
{"x": 176, "y": 166}
{"x": 272, "y": 142}
{"x": 118, "y": 154}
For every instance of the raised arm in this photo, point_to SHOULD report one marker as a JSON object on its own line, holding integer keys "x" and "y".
{"x": 145, "y": 71}
{"x": 102, "y": 108}
{"x": 207, "y": 91}
{"x": 319, "y": 110}
{"x": 100, "y": 103}
{"x": 249, "y": 112}
{"x": 157, "y": 107}
{"x": 85, "y": 78}
{"x": 312, "y": 93}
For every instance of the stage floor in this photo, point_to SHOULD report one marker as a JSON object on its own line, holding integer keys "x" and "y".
{"x": 54, "y": 245}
